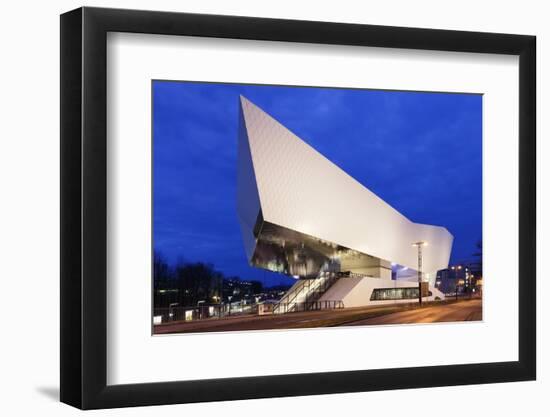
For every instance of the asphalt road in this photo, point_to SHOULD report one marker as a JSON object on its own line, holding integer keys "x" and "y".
{"x": 467, "y": 310}
{"x": 462, "y": 310}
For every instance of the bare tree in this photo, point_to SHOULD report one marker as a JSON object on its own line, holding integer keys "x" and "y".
{"x": 479, "y": 254}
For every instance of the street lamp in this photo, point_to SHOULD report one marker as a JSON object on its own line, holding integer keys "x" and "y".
{"x": 171, "y": 310}
{"x": 456, "y": 269}
{"x": 419, "y": 245}
{"x": 199, "y": 308}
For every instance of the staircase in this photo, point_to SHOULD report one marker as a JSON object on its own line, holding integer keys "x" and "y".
{"x": 304, "y": 295}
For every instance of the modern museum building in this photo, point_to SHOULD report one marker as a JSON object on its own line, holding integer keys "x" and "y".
{"x": 303, "y": 216}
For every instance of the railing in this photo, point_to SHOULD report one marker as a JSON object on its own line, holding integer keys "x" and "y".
{"x": 201, "y": 312}
{"x": 293, "y": 293}
{"x": 310, "y": 289}
{"x": 310, "y": 306}
{"x": 289, "y": 299}
{"x": 349, "y": 274}
{"x": 321, "y": 288}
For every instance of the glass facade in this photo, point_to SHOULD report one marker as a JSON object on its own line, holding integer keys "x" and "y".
{"x": 407, "y": 293}
{"x": 287, "y": 251}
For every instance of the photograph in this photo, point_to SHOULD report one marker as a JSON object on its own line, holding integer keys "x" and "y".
{"x": 291, "y": 207}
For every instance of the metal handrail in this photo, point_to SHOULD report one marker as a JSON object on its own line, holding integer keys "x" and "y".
{"x": 312, "y": 305}
{"x": 326, "y": 284}
{"x": 295, "y": 294}
{"x": 323, "y": 284}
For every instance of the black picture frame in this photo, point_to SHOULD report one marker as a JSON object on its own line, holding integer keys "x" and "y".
{"x": 84, "y": 207}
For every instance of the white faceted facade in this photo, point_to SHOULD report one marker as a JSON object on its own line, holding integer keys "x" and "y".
{"x": 302, "y": 215}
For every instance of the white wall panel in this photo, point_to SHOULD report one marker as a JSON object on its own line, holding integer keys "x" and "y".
{"x": 302, "y": 190}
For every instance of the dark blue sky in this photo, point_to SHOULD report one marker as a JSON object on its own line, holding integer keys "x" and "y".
{"x": 420, "y": 152}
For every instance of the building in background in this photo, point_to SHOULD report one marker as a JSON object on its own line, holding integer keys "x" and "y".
{"x": 303, "y": 216}
{"x": 462, "y": 278}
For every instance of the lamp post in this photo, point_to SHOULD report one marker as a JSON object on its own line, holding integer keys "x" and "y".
{"x": 456, "y": 269}
{"x": 419, "y": 245}
{"x": 171, "y": 310}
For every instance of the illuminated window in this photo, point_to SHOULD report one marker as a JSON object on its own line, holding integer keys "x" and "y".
{"x": 382, "y": 294}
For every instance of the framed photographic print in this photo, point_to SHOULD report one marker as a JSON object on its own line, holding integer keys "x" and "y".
{"x": 258, "y": 207}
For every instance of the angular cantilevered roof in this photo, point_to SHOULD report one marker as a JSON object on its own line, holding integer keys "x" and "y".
{"x": 286, "y": 182}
